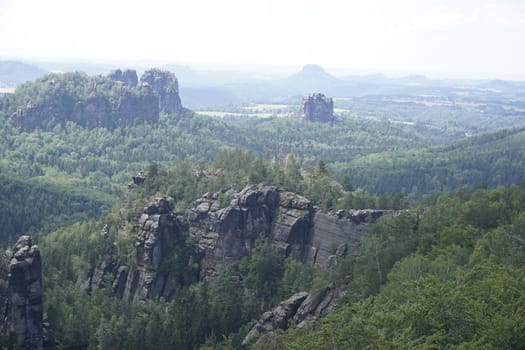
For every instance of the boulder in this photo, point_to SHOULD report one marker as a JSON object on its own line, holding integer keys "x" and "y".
{"x": 297, "y": 309}
{"x": 277, "y": 318}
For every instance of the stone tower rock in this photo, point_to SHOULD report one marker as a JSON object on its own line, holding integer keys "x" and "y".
{"x": 317, "y": 108}
{"x": 127, "y": 77}
{"x": 21, "y": 294}
{"x": 166, "y": 86}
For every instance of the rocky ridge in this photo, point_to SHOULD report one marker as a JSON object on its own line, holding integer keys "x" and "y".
{"x": 109, "y": 101}
{"x": 21, "y": 294}
{"x": 222, "y": 228}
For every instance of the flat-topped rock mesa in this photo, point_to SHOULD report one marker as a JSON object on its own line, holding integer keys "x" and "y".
{"x": 110, "y": 101}
{"x": 317, "y": 108}
{"x": 21, "y": 294}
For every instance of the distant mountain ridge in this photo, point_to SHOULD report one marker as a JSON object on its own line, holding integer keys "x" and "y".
{"x": 207, "y": 87}
{"x": 490, "y": 160}
{"x": 14, "y": 73}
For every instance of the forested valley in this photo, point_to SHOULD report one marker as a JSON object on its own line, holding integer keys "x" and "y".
{"x": 230, "y": 210}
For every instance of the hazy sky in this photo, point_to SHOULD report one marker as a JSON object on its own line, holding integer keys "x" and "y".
{"x": 480, "y": 38}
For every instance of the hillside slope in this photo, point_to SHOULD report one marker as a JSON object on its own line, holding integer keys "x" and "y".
{"x": 491, "y": 159}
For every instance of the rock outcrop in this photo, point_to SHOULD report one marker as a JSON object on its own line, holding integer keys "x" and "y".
{"x": 226, "y": 235}
{"x": 127, "y": 77}
{"x": 166, "y": 87}
{"x": 317, "y": 108}
{"x": 222, "y": 228}
{"x": 117, "y": 99}
{"x": 297, "y": 309}
{"x": 277, "y": 318}
{"x": 336, "y": 235}
{"x": 21, "y": 294}
{"x": 159, "y": 232}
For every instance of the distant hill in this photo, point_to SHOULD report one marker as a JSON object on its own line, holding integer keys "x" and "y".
{"x": 491, "y": 159}
{"x": 30, "y": 205}
{"x": 311, "y": 78}
{"x": 14, "y": 73}
{"x": 92, "y": 101}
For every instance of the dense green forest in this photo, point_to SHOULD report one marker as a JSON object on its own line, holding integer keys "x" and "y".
{"x": 490, "y": 159}
{"x": 103, "y": 157}
{"x": 227, "y": 304}
{"x": 450, "y": 277}
{"x": 453, "y": 281}
{"x": 29, "y": 206}
{"x": 445, "y": 269}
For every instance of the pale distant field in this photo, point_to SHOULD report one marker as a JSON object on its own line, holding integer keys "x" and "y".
{"x": 255, "y": 110}
{"x": 4, "y": 90}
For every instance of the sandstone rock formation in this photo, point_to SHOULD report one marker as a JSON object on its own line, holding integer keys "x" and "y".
{"x": 127, "y": 77}
{"x": 21, "y": 294}
{"x": 221, "y": 228}
{"x": 158, "y": 234}
{"x": 117, "y": 99}
{"x": 150, "y": 277}
{"x": 317, "y": 108}
{"x": 297, "y": 309}
{"x": 166, "y": 87}
{"x": 226, "y": 235}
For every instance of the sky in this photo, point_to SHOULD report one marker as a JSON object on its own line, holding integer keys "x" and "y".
{"x": 448, "y": 38}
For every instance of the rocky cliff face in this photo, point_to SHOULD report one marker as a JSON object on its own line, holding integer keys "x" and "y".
{"x": 215, "y": 233}
{"x": 226, "y": 235}
{"x": 166, "y": 87}
{"x": 148, "y": 278}
{"x": 158, "y": 234}
{"x": 21, "y": 294}
{"x": 317, "y": 108}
